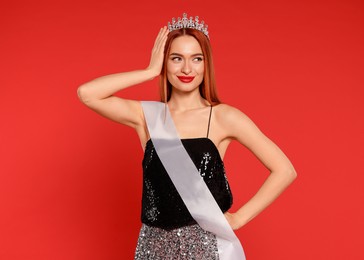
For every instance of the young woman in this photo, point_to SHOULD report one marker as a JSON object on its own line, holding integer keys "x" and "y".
{"x": 181, "y": 57}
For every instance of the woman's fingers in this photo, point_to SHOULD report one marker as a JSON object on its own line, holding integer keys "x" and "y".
{"x": 161, "y": 38}
{"x": 164, "y": 37}
{"x": 157, "y": 40}
{"x": 156, "y": 61}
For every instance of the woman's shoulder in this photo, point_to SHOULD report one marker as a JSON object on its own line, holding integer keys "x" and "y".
{"x": 228, "y": 112}
{"x": 229, "y": 122}
{"x": 235, "y": 123}
{"x": 224, "y": 107}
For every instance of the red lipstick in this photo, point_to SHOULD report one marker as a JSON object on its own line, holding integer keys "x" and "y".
{"x": 185, "y": 79}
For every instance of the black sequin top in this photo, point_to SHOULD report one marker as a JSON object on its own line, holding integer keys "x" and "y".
{"x": 162, "y": 206}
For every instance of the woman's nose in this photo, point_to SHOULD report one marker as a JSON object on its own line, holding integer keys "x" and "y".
{"x": 186, "y": 68}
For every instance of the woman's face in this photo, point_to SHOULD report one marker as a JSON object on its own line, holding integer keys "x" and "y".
{"x": 185, "y": 66}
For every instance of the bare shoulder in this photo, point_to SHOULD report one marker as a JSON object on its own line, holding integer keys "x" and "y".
{"x": 235, "y": 123}
{"x": 228, "y": 114}
{"x": 238, "y": 126}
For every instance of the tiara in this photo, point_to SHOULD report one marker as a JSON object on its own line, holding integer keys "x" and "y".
{"x": 184, "y": 22}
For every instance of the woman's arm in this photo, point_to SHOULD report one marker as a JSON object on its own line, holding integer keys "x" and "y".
{"x": 282, "y": 172}
{"x": 98, "y": 93}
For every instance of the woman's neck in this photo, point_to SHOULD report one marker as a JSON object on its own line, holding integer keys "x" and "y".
{"x": 186, "y": 101}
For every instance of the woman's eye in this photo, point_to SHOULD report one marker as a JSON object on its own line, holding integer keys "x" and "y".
{"x": 198, "y": 59}
{"x": 176, "y": 58}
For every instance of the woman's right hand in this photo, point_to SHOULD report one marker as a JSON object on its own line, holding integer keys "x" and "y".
{"x": 98, "y": 94}
{"x": 156, "y": 61}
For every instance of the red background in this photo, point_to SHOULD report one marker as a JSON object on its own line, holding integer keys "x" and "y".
{"x": 70, "y": 183}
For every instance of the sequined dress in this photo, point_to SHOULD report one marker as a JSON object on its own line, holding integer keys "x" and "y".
{"x": 168, "y": 230}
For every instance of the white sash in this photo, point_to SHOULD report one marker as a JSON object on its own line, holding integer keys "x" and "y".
{"x": 187, "y": 180}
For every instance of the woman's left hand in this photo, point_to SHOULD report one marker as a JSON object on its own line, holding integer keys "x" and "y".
{"x": 233, "y": 220}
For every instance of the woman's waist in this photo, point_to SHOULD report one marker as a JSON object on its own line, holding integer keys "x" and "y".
{"x": 173, "y": 214}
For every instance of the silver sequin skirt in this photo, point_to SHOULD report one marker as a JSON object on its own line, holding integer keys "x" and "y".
{"x": 187, "y": 243}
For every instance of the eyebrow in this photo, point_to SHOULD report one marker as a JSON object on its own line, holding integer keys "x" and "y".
{"x": 193, "y": 55}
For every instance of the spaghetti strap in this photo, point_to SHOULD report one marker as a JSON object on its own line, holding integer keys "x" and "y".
{"x": 208, "y": 127}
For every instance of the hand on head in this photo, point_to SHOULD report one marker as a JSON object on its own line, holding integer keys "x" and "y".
{"x": 156, "y": 61}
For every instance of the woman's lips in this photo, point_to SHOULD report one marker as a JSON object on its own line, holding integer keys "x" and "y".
{"x": 185, "y": 79}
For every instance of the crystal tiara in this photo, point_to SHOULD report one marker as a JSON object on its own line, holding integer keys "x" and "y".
{"x": 188, "y": 23}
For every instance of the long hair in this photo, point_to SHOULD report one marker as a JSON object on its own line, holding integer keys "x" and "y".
{"x": 208, "y": 85}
